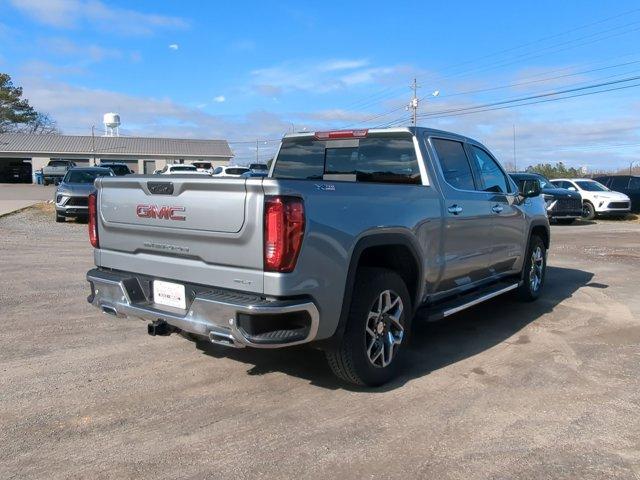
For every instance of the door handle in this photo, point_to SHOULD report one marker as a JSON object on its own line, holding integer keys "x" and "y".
{"x": 455, "y": 209}
{"x": 497, "y": 209}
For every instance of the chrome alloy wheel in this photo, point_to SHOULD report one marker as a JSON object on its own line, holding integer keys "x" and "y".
{"x": 537, "y": 269}
{"x": 384, "y": 332}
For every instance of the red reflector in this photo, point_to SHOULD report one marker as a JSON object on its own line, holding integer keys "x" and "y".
{"x": 283, "y": 232}
{"x": 338, "y": 134}
{"x": 93, "y": 220}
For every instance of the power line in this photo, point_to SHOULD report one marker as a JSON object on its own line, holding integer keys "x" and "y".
{"x": 385, "y": 93}
{"x": 541, "y": 80}
{"x": 531, "y": 97}
{"x": 400, "y": 121}
{"x": 389, "y": 112}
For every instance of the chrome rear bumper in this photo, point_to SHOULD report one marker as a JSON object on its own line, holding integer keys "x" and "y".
{"x": 213, "y": 314}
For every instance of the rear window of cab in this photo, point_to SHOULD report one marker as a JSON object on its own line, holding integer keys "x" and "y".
{"x": 373, "y": 160}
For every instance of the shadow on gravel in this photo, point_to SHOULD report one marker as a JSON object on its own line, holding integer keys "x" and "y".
{"x": 434, "y": 345}
{"x": 580, "y": 222}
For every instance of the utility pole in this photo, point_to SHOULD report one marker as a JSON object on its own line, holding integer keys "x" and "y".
{"x": 515, "y": 162}
{"x": 414, "y": 101}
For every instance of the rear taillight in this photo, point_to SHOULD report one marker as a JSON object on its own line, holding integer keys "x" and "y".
{"x": 93, "y": 220}
{"x": 283, "y": 232}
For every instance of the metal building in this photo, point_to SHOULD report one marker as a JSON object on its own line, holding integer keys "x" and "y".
{"x": 23, "y": 154}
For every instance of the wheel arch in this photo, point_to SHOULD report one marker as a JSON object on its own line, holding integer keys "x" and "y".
{"x": 542, "y": 230}
{"x": 378, "y": 250}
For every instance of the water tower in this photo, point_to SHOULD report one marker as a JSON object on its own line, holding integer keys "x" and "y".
{"x": 111, "y": 124}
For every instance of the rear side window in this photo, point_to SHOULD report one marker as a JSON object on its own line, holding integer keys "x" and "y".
{"x": 454, "y": 163}
{"x": 377, "y": 160}
{"x": 300, "y": 160}
{"x": 492, "y": 176}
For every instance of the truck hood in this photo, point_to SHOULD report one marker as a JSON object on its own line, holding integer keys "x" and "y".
{"x": 561, "y": 193}
{"x": 617, "y": 196}
{"x": 76, "y": 189}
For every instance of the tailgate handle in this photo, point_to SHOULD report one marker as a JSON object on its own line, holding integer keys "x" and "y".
{"x": 160, "y": 188}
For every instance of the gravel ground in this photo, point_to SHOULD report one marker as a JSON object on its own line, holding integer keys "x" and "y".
{"x": 505, "y": 390}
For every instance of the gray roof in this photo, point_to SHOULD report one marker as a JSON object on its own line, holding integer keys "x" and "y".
{"x": 82, "y": 144}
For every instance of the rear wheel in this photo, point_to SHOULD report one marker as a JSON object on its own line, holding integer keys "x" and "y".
{"x": 588, "y": 211}
{"x": 377, "y": 329}
{"x": 535, "y": 269}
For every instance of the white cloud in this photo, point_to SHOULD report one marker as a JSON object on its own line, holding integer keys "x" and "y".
{"x": 37, "y": 68}
{"x": 219, "y": 99}
{"x": 336, "y": 65}
{"x": 76, "y": 109}
{"x": 95, "y": 14}
{"x": 174, "y": 46}
{"x": 94, "y": 53}
{"x": 321, "y": 77}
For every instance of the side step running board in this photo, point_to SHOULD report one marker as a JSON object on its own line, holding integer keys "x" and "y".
{"x": 460, "y": 304}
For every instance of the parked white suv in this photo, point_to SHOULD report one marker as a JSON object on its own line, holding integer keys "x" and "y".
{"x": 178, "y": 169}
{"x": 230, "y": 171}
{"x": 597, "y": 200}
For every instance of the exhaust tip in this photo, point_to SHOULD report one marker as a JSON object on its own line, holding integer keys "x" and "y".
{"x": 221, "y": 338}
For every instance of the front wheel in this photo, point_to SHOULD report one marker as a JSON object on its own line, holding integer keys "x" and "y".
{"x": 60, "y": 218}
{"x": 535, "y": 269}
{"x": 588, "y": 211}
{"x": 376, "y": 332}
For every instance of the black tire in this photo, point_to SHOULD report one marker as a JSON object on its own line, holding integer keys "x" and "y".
{"x": 530, "y": 290}
{"x": 60, "y": 218}
{"x": 350, "y": 360}
{"x": 588, "y": 211}
{"x": 565, "y": 221}
{"x": 45, "y": 182}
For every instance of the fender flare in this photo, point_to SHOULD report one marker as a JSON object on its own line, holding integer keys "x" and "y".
{"x": 534, "y": 224}
{"x": 398, "y": 237}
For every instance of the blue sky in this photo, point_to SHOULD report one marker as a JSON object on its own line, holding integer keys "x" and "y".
{"x": 254, "y": 70}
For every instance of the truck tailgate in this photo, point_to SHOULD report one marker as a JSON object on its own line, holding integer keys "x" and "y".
{"x": 188, "y": 228}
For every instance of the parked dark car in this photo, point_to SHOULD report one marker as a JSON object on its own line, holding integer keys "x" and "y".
{"x": 252, "y": 174}
{"x": 15, "y": 171}
{"x": 627, "y": 184}
{"x": 119, "y": 169}
{"x": 72, "y": 194}
{"x": 259, "y": 167}
{"x": 563, "y": 205}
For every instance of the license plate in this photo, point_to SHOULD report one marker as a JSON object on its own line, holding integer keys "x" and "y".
{"x": 169, "y": 294}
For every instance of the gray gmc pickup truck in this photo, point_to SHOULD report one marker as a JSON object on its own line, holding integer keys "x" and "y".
{"x": 350, "y": 234}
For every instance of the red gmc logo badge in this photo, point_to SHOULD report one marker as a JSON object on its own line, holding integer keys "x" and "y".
{"x": 163, "y": 213}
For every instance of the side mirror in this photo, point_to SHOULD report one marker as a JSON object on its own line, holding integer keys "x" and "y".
{"x": 530, "y": 188}
{"x": 573, "y": 189}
